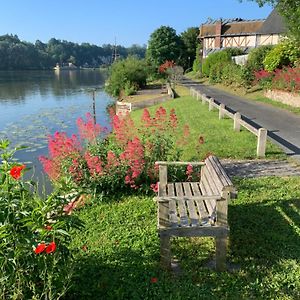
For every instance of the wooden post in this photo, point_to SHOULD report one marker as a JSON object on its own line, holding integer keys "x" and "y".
{"x": 203, "y": 98}
{"x": 221, "y": 111}
{"x": 190, "y": 91}
{"x": 221, "y": 242}
{"x": 163, "y": 175}
{"x": 198, "y": 95}
{"x": 210, "y": 107}
{"x": 236, "y": 122}
{"x": 261, "y": 142}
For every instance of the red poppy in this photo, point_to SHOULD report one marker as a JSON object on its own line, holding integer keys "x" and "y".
{"x": 153, "y": 280}
{"x": 15, "y": 171}
{"x": 51, "y": 248}
{"x": 40, "y": 248}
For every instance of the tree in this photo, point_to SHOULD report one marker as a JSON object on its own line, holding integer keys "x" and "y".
{"x": 290, "y": 10}
{"x": 164, "y": 44}
{"x": 190, "y": 42}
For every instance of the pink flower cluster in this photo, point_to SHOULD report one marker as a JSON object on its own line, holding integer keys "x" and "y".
{"x": 126, "y": 156}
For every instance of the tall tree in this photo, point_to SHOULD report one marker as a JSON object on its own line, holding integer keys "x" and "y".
{"x": 190, "y": 42}
{"x": 164, "y": 44}
{"x": 290, "y": 10}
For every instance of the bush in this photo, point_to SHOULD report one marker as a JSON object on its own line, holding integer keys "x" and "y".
{"x": 122, "y": 161}
{"x": 131, "y": 72}
{"x": 215, "y": 59}
{"x": 284, "y": 54}
{"x": 35, "y": 262}
{"x": 256, "y": 57}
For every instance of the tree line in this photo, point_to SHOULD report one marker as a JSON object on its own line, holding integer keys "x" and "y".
{"x": 21, "y": 55}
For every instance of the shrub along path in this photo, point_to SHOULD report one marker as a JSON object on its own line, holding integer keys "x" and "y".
{"x": 283, "y": 126}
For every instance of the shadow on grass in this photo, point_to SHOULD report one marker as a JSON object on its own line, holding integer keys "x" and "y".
{"x": 264, "y": 241}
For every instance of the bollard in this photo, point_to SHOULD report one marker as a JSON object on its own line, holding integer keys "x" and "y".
{"x": 203, "y": 98}
{"x": 221, "y": 111}
{"x": 261, "y": 142}
{"x": 236, "y": 122}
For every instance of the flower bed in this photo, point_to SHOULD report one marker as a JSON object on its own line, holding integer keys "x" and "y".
{"x": 97, "y": 162}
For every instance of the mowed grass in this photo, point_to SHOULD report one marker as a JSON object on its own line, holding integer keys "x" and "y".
{"x": 118, "y": 252}
{"x": 219, "y": 136}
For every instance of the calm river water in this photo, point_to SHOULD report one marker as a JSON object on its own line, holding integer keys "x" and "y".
{"x": 37, "y": 103}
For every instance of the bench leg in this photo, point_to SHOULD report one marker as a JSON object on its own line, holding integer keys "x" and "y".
{"x": 221, "y": 250}
{"x": 165, "y": 252}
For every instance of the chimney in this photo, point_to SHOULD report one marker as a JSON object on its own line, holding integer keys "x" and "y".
{"x": 218, "y": 34}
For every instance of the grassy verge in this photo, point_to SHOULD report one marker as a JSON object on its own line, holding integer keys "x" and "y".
{"x": 118, "y": 253}
{"x": 219, "y": 136}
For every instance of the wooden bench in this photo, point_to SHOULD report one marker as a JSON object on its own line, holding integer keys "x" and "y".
{"x": 193, "y": 209}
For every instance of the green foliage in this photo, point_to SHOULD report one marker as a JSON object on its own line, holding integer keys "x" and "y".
{"x": 118, "y": 256}
{"x": 122, "y": 161}
{"x": 285, "y": 53}
{"x": 190, "y": 43}
{"x": 35, "y": 261}
{"x": 257, "y": 56}
{"x": 197, "y": 61}
{"x": 218, "y": 58}
{"x": 164, "y": 44}
{"x": 129, "y": 74}
{"x": 17, "y": 55}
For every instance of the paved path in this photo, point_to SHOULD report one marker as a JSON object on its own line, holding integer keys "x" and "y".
{"x": 283, "y": 126}
{"x": 260, "y": 168}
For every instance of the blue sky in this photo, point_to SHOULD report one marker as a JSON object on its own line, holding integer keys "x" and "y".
{"x": 101, "y": 21}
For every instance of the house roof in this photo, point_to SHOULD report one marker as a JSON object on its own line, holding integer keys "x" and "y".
{"x": 273, "y": 24}
{"x": 231, "y": 27}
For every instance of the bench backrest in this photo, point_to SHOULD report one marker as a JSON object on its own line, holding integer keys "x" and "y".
{"x": 214, "y": 179}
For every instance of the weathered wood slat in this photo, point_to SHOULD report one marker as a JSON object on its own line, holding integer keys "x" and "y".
{"x": 216, "y": 231}
{"x": 219, "y": 169}
{"x": 188, "y": 209}
{"x": 192, "y": 212}
{"x": 173, "y": 216}
{"x": 179, "y": 163}
{"x": 181, "y": 205}
{"x": 202, "y": 211}
{"x": 206, "y": 190}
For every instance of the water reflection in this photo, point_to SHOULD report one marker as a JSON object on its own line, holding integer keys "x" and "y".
{"x": 35, "y": 104}
{"x": 17, "y": 85}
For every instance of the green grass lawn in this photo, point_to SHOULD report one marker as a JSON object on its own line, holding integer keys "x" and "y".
{"x": 118, "y": 252}
{"x": 219, "y": 136}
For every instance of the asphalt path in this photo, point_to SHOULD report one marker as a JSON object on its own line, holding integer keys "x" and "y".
{"x": 283, "y": 126}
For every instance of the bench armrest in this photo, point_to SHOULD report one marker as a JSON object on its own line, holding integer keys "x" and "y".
{"x": 179, "y": 163}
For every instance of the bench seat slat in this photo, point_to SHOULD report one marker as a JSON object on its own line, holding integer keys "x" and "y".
{"x": 181, "y": 205}
{"x": 193, "y": 216}
{"x": 173, "y": 216}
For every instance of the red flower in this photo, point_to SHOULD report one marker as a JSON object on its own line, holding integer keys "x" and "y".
{"x": 15, "y": 172}
{"x": 48, "y": 227}
{"x": 153, "y": 280}
{"x": 40, "y": 248}
{"x": 51, "y": 248}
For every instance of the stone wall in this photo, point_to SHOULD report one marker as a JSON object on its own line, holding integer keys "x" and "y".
{"x": 284, "y": 97}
